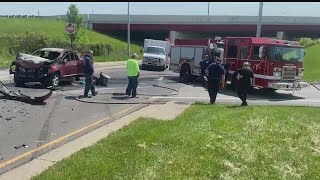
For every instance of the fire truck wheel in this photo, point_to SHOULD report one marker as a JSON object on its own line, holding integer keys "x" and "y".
{"x": 185, "y": 74}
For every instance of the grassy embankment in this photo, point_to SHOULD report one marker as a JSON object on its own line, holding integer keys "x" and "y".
{"x": 205, "y": 142}
{"x": 56, "y": 29}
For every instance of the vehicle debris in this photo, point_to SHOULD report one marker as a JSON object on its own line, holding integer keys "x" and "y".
{"x": 18, "y": 96}
{"x": 23, "y": 145}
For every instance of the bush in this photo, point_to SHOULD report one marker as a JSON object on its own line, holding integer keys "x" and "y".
{"x": 31, "y": 41}
{"x": 308, "y": 42}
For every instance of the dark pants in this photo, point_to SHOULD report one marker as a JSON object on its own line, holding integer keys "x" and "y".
{"x": 213, "y": 88}
{"x": 132, "y": 86}
{"x": 89, "y": 85}
{"x": 242, "y": 93}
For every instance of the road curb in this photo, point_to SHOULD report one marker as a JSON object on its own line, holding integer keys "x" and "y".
{"x": 24, "y": 169}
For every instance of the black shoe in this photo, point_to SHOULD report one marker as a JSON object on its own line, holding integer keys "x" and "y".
{"x": 86, "y": 96}
{"x": 94, "y": 94}
{"x": 244, "y": 104}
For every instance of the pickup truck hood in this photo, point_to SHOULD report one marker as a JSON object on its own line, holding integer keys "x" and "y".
{"x": 30, "y": 61}
{"x": 147, "y": 55}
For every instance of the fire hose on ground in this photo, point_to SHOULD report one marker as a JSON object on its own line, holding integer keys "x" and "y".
{"x": 150, "y": 101}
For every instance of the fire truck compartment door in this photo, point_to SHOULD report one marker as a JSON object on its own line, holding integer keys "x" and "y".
{"x": 187, "y": 52}
{"x": 198, "y": 56}
{"x": 174, "y": 59}
{"x": 175, "y": 55}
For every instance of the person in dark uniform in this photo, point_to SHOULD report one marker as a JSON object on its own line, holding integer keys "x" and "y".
{"x": 245, "y": 79}
{"x": 203, "y": 66}
{"x": 216, "y": 75}
{"x": 89, "y": 70}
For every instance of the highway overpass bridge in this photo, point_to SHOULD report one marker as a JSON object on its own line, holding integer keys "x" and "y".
{"x": 184, "y": 26}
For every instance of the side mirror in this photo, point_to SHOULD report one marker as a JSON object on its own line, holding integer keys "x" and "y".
{"x": 65, "y": 60}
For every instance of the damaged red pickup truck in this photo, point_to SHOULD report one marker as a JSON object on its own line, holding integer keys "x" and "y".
{"x": 49, "y": 66}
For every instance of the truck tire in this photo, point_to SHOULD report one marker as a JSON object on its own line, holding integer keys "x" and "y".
{"x": 185, "y": 74}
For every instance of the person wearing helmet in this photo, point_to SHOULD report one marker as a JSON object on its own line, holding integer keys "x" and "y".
{"x": 245, "y": 79}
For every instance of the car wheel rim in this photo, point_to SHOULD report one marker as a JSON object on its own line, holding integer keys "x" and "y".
{"x": 55, "y": 80}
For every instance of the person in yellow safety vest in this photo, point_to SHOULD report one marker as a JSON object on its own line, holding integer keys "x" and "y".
{"x": 133, "y": 72}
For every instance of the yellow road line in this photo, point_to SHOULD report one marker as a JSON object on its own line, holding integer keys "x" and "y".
{"x": 29, "y": 153}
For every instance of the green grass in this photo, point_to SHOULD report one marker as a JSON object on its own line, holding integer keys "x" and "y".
{"x": 205, "y": 142}
{"x": 312, "y": 64}
{"x": 56, "y": 29}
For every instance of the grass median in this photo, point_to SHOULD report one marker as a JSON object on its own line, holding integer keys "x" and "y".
{"x": 205, "y": 142}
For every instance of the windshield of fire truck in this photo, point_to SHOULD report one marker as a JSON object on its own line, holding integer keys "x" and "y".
{"x": 281, "y": 53}
{"x": 156, "y": 50}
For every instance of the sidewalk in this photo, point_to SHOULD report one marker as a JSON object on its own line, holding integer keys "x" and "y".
{"x": 4, "y": 73}
{"x": 167, "y": 111}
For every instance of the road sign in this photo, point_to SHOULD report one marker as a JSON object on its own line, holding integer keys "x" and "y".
{"x": 70, "y": 28}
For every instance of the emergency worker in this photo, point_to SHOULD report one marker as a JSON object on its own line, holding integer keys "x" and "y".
{"x": 88, "y": 70}
{"x": 216, "y": 76}
{"x": 245, "y": 79}
{"x": 133, "y": 72}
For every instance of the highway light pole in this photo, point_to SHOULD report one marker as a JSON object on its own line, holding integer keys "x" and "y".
{"x": 129, "y": 29}
{"x": 208, "y": 8}
{"x": 260, "y": 20}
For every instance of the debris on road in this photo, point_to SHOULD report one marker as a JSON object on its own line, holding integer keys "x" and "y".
{"x": 17, "y": 95}
{"x": 22, "y": 145}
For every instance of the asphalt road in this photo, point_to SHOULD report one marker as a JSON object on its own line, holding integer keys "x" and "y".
{"x": 25, "y": 127}
{"x": 27, "y": 131}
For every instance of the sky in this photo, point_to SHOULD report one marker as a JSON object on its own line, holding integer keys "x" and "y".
{"x": 164, "y": 8}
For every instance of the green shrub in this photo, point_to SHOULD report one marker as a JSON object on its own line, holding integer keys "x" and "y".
{"x": 31, "y": 41}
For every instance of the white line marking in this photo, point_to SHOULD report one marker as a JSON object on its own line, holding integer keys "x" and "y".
{"x": 160, "y": 79}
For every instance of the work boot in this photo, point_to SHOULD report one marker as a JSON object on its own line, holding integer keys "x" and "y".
{"x": 86, "y": 96}
{"x": 244, "y": 104}
{"x": 95, "y": 93}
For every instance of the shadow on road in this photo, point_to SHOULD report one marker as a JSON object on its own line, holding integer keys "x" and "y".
{"x": 256, "y": 93}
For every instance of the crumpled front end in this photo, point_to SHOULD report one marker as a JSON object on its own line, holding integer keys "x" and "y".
{"x": 30, "y": 68}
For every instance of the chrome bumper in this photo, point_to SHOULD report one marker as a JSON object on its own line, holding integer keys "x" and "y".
{"x": 288, "y": 85}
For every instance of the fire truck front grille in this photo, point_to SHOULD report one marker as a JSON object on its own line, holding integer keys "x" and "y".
{"x": 289, "y": 72}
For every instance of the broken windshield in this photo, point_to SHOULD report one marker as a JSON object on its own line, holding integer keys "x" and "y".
{"x": 281, "y": 53}
{"x": 52, "y": 55}
{"x": 155, "y": 50}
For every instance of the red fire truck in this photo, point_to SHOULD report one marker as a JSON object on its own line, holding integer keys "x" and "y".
{"x": 277, "y": 64}
{"x": 186, "y": 54}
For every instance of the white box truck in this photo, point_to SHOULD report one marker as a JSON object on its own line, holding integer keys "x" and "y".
{"x": 156, "y": 54}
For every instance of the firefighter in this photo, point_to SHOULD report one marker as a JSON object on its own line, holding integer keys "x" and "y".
{"x": 216, "y": 76}
{"x": 133, "y": 74}
{"x": 203, "y": 65}
{"x": 245, "y": 79}
{"x": 89, "y": 70}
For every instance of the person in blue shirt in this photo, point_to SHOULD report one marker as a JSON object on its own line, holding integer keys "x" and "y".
{"x": 216, "y": 76}
{"x": 88, "y": 71}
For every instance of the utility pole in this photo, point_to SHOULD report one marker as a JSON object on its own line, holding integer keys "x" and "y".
{"x": 208, "y": 8}
{"x": 260, "y": 20}
{"x": 129, "y": 29}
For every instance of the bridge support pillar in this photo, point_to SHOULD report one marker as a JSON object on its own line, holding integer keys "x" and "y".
{"x": 280, "y": 35}
{"x": 90, "y": 26}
